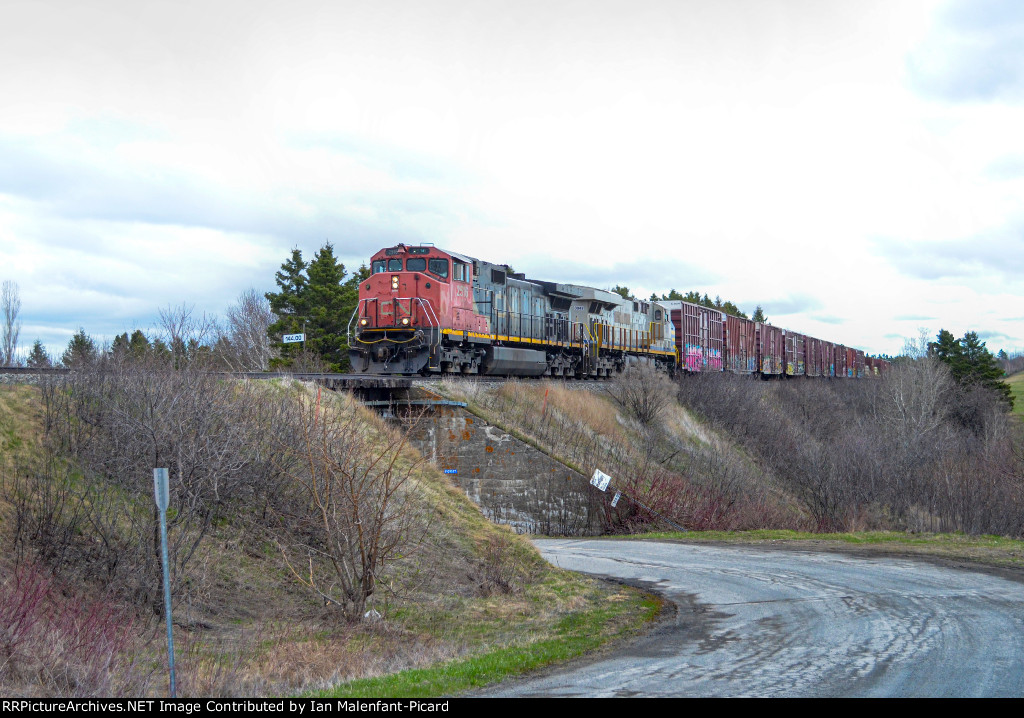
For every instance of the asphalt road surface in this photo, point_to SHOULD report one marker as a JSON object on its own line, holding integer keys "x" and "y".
{"x": 754, "y": 622}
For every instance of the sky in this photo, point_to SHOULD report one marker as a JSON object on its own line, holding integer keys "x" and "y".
{"x": 855, "y": 168}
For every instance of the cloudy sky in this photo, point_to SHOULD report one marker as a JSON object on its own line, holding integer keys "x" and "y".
{"x": 857, "y": 168}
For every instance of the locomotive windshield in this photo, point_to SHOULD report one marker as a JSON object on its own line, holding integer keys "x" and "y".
{"x": 419, "y": 264}
{"x": 439, "y": 267}
{"x": 394, "y": 265}
{"x": 379, "y": 266}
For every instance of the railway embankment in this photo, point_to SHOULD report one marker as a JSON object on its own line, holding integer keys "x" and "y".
{"x": 669, "y": 468}
{"x": 255, "y": 613}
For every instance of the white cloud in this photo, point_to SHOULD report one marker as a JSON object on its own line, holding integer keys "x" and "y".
{"x": 762, "y": 151}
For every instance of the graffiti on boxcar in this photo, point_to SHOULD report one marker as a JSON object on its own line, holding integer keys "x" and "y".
{"x": 714, "y": 359}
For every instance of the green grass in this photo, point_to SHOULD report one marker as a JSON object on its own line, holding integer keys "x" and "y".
{"x": 995, "y": 551}
{"x": 571, "y": 637}
{"x": 1016, "y": 383}
{"x": 862, "y": 537}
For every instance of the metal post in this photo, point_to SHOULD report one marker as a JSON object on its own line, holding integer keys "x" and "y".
{"x": 162, "y": 490}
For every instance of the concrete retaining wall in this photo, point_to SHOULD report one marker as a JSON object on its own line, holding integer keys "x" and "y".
{"x": 512, "y": 482}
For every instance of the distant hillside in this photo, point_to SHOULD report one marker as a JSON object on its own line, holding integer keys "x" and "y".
{"x": 1016, "y": 383}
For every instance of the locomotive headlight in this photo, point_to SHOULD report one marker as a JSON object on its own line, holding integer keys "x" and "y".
{"x": 394, "y": 282}
{"x": 363, "y": 322}
{"x": 405, "y": 320}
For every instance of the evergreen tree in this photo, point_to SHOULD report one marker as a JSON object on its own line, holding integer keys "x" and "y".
{"x": 947, "y": 350}
{"x": 622, "y": 291}
{"x": 38, "y": 358}
{"x": 970, "y": 362}
{"x": 138, "y": 345}
{"x": 161, "y": 352}
{"x": 315, "y": 297}
{"x": 81, "y": 351}
{"x": 730, "y": 308}
{"x": 120, "y": 346}
{"x": 758, "y": 315}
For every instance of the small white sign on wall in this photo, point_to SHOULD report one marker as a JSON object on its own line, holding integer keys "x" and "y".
{"x": 600, "y": 480}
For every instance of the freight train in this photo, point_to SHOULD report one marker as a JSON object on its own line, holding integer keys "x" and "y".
{"x": 424, "y": 310}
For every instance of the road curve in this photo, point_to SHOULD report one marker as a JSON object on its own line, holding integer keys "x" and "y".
{"x": 755, "y": 622}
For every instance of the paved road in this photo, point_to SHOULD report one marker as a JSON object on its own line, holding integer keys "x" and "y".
{"x": 756, "y": 622}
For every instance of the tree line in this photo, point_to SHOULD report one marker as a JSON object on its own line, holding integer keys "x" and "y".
{"x": 694, "y": 297}
{"x": 316, "y": 298}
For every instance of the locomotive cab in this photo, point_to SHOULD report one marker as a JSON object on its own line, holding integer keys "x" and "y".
{"x": 413, "y": 295}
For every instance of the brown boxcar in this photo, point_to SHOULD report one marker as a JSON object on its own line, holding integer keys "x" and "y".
{"x": 839, "y": 360}
{"x": 740, "y": 345}
{"x": 698, "y": 336}
{"x": 812, "y": 349}
{"x": 874, "y": 366}
{"x": 859, "y": 364}
{"x": 828, "y": 360}
{"x": 795, "y": 353}
{"x": 851, "y": 362}
{"x": 770, "y": 348}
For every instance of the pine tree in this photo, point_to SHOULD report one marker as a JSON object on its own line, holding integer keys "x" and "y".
{"x": 81, "y": 351}
{"x": 138, "y": 345}
{"x": 622, "y": 291}
{"x": 315, "y": 297}
{"x": 970, "y": 362}
{"x": 120, "y": 346}
{"x": 758, "y": 315}
{"x": 38, "y": 358}
{"x": 947, "y": 350}
{"x": 730, "y": 308}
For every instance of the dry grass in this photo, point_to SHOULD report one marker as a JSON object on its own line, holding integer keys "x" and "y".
{"x": 677, "y": 466}
{"x": 21, "y": 423}
{"x": 251, "y": 630}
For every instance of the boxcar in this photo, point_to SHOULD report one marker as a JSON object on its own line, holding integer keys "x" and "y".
{"x": 795, "y": 353}
{"x": 859, "y": 364}
{"x": 812, "y": 350}
{"x": 770, "y": 349}
{"x": 839, "y": 360}
{"x": 740, "y": 345}
{"x": 699, "y": 335}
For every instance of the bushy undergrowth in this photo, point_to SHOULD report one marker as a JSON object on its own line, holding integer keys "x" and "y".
{"x": 667, "y": 467}
{"x": 910, "y": 450}
{"x": 266, "y": 593}
{"x": 55, "y": 644}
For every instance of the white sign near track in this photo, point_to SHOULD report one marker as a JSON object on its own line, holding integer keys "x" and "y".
{"x": 290, "y": 338}
{"x": 600, "y": 480}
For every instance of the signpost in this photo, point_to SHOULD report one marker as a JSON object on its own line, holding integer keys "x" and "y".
{"x": 161, "y": 487}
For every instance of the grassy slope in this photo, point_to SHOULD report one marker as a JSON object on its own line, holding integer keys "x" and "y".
{"x": 444, "y": 610}
{"x": 1016, "y": 383}
{"x": 559, "y": 418}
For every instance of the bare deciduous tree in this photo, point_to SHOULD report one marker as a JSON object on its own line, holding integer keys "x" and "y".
{"x": 243, "y": 343}
{"x": 643, "y": 392}
{"x": 118, "y": 421}
{"x": 10, "y": 304}
{"x": 354, "y": 511}
{"x": 185, "y": 332}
